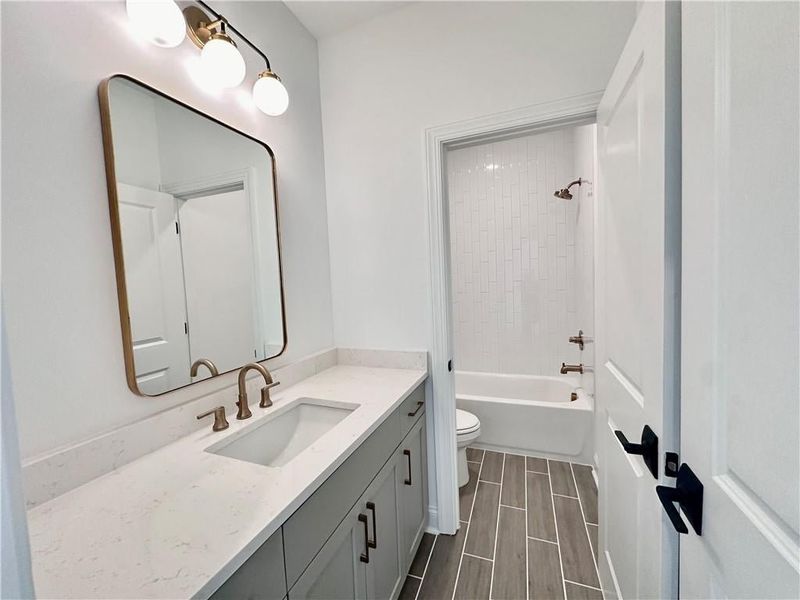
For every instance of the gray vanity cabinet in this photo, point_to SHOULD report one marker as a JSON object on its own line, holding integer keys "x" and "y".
{"x": 261, "y": 577}
{"x": 356, "y": 536}
{"x": 338, "y": 571}
{"x": 385, "y": 572}
{"x": 363, "y": 557}
{"x": 413, "y": 491}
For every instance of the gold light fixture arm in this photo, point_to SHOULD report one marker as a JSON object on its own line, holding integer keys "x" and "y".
{"x": 200, "y": 28}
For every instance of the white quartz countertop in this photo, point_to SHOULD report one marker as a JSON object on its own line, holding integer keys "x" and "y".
{"x": 178, "y": 522}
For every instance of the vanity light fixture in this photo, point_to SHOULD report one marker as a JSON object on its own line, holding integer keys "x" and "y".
{"x": 220, "y": 59}
{"x": 269, "y": 94}
{"x": 159, "y": 21}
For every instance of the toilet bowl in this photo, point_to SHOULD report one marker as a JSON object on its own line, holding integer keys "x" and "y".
{"x": 468, "y": 429}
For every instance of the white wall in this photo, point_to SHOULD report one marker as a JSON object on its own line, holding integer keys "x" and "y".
{"x": 58, "y": 272}
{"x": 383, "y": 83}
{"x": 585, "y": 157}
{"x": 16, "y": 578}
{"x": 513, "y": 254}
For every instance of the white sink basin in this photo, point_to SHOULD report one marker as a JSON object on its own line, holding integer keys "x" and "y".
{"x": 285, "y": 434}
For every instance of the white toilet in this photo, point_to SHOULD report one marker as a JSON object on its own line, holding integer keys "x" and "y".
{"x": 468, "y": 429}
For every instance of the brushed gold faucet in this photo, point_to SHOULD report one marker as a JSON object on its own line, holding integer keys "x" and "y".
{"x": 220, "y": 422}
{"x": 205, "y": 362}
{"x": 244, "y": 410}
{"x": 565, "y": 368}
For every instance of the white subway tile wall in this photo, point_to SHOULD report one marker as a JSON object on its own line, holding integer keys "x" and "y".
{"x": 513, "y": 254}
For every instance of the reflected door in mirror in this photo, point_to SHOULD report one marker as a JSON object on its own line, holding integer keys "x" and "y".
{"x": 195, "y": 228}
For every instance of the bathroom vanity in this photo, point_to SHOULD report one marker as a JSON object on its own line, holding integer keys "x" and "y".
{"x": 356, "y": 536}
{"x": 341, "y": 516}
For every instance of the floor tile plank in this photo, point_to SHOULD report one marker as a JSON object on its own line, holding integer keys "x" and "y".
{"x": 593, "y": 537}
{"x": 544, "y": 571}
{"x": 513, "y": 493}
{"x": 482, "y": 528}
{"x": 440, "y": 578}
{"x": 467, "y": 493}
{"x": 492, "y": 466}
{"x": 474, "y": 580}
{"x": 576, "y": 552}
{"x": 541, "y": 523}
{"x": 474, "y": 454}
{"x": 561, "y": 476}
{"x": 587, "y": 491}
{"x": 410, "y": 587}
{"x": 538, "y": 465}
{"x": 509, "y": 580}
{"x": 421, "y": 557}
{"x": 578, "y": 592}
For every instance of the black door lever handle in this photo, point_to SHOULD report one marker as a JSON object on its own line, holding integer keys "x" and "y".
{"x": 647, "y": 449}
{"x": 668, "y": 496}
{"x": 629, "y": 447}
{"x": 688, "y": 493}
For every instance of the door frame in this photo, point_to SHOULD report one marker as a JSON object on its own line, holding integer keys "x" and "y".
{"x": 217, "y": 184}
{"x": 565, "y": 112}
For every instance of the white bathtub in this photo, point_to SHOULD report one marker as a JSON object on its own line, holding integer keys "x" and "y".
{"x": 529, "y": 414}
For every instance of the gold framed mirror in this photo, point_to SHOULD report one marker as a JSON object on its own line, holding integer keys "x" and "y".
{"x": 196, "y": 239}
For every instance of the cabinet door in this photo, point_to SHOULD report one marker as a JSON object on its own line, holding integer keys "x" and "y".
{"x": 413, "y": 462}
{"x": 261, "y": 577}
{"x": 338, "y": 571}
{"x": 380, "y": 502}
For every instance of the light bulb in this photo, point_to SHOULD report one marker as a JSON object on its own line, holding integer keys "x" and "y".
{"x": 269, "y": 94}
{"x": 159, "y": 21}
{"x": 222, "y": 62}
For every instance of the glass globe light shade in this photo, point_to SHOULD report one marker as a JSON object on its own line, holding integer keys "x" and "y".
{"x": 222, "y": 62}
{"x": 159, "y": 21}
{"x": 270, "y": 95}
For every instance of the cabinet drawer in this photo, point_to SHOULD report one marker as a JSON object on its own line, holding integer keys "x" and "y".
{"x": 311, "y": 525}
{"x": 411, "y": 410}
{"x": 261, "y": 577}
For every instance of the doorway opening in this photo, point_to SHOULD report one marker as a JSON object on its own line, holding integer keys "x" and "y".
{"x": 505, "y": 306}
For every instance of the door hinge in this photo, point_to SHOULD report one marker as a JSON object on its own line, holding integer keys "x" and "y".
{"x": 186, "y": 328}
{"x": 450, "y": 365}
{"x": 177, "y": 228}
{"x": 688, "y": 494}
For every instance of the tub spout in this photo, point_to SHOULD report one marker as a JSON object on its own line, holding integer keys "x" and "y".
{"x": 565, "y": 368}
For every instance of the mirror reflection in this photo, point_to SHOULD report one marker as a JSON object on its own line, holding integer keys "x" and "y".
{"x": 198, "y": 237}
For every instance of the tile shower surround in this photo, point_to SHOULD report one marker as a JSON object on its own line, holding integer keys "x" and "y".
{"x": 513, "y": 253}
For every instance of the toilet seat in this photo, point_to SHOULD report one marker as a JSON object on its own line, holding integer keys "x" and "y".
{"x": 466, "y": 422}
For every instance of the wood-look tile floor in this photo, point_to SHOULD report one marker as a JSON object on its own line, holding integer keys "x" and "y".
{"x": 528, "y": 531}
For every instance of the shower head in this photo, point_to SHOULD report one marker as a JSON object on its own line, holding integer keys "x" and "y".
{"x": 564, "y": 193}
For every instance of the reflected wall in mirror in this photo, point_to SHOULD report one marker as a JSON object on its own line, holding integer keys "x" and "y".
{"x": 196, "y": 244}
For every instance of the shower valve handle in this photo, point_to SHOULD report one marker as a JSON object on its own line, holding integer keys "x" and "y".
{"x": 577, "y": 339}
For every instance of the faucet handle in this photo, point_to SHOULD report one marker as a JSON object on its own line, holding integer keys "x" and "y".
{"x": 577, "y": 339}
{"x": 220, "y": 422}
{"x": 266, "y": 401}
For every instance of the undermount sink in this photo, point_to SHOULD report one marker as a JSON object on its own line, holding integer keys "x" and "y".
{"x": 289, "y": 431}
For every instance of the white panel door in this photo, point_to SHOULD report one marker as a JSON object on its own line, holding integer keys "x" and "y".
{"x": 638, "y": 213}
{"x": 740, "y": 398}
{"x": 155, "y": 288}
{"x": 219, "y": 270}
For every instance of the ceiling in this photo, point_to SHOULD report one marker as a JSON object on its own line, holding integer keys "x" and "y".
{"x": 325, "y": 17}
